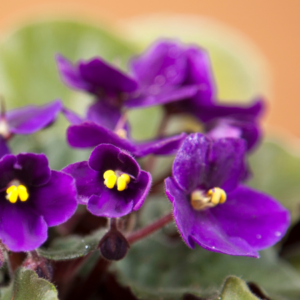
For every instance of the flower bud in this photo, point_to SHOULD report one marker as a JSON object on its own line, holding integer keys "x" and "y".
{"x": 113, "y": 246}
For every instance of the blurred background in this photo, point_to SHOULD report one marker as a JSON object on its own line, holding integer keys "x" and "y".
{"x": 264, "y": 35}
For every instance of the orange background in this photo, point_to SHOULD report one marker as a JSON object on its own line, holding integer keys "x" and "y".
{"x": 273, "y": 25}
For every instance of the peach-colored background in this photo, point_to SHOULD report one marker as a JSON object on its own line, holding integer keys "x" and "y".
{"x": 273, "y": 25}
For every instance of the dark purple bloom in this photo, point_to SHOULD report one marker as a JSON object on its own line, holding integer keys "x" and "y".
{"x": 233, "y": 121}
{"x": 205, "y": 173}
{"x": 96, "y": 77}
{"x": 26, "y": 120}
{"x": 32, "y": 197}
{"x": 89, "y": 134}
{"x": 111, "y": 183}
{"x": 173, "y": 75}
{"x": 110, "y": 86}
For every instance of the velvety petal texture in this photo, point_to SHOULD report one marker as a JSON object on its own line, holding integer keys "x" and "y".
{"x": 92, "y": 191}
{"x": 169, "y": 72}
{"x": 51, "y": 200}
{"x": 29, "y": 119}
{"x": 90, "y": 134}
{"x": 247, "y": 222}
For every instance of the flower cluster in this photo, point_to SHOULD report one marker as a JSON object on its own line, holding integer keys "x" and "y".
{"x": 212, "y": 206}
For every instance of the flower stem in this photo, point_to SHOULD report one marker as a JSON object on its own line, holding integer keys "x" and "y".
{"x": 144, "y": 232}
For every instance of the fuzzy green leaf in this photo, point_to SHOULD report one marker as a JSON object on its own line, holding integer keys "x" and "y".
{"x": 28, "y": 286}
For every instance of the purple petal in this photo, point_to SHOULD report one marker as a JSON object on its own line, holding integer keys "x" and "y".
{"x": 32, "y": 169}
{"x": 21, "y": 228}
{"x": 163, "y": 63}
{"x": 226, "y": 164}
{"x": 88, "y": 181}
{"x": 162, "y": 96}
{"x": 184, "y": 215}
{"x": 90, "y": 134}
{"x": 100, "y": 75}
{"x": 165, "y": 146}
{"x": 71, "y": 116}
{"x": 253, "y": 216}
{"x": 56, "y": 200}
{"x": 3, "y": 147}
{"x": 7, "y": 172}
{"x": 190, "y": 164}
{"x": 104, "y": 114}
{"x": 202, "y": 227}
{"x": 200, "y": 72}
{"x": 30, "y": 119}
{"x": 110, "y": 204}
{"x": 247, "y": 130}
{"x": 140, "y": 189}
{"x": 251, "y": 112}
{"x": 70, "y": 74}
{"x": 108, "y": 157}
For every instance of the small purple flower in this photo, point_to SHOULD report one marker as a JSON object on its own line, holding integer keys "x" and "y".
{"x": 32, "y": 198}
{"x": 111, "y": 183}
{"x": 97, "y": 77}
{"x": 173, "y": 75}
{"x": 210, "y": 206}
{"x": 233, "y": 121}
{"x": 90, "y": 134}
{"x": 26, "y": 120}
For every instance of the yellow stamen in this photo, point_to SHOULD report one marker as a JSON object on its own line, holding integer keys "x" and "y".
{"x": 14, "y": 192}
{"x": 110, "y": 181}
{"x": 23, "y": 194}
{"x": 217, "y": 195}
{"x": 201, "y": 201}
{"x": 111, "y": 178}
{"x": 122, "y": 182}
{"x": 108, "y": 173}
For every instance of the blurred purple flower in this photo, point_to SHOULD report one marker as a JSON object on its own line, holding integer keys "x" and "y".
{"x": 233, "y": 121}
{"x": 172, "y": 74}
{"x": 111, "y": 183}
{"x": 110, "y": 86}
{"x": 32, "y": 198}
{"x": 205, "y": 173}
{"x": 26, "y": 120}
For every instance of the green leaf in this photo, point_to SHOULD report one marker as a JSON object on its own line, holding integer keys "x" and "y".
{"x": 28, "y": 286}
{"x": 276, "y": 171}
{"x": 28, "y": 69}
{"x": 240, "y": 70}
{"x": 72, "y": 246}
{"x": 28, "y": 75}
{"x": 236, "y": 289}
{"x": 154, "y": 263}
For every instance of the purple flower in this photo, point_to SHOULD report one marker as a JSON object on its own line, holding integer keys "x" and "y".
{"x": 97, "y": 77}
{"x": 89, "y": 134}
{"x": 173, "y": 75}
{"x": 32, "y": 197}
{"x": 233, "y": 121}
{"x": 26, "y": 120}
{"x": 111, "y": 183}
{"x": 212, "y": 209}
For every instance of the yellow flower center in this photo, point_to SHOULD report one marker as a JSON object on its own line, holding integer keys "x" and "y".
{"x": 111, "y": 178}
{"x": 201, "y": 201}
{"x": 14, "y": 192}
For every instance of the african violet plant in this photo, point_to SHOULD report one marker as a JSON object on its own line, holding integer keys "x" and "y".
{"x": 212, "y": 206}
